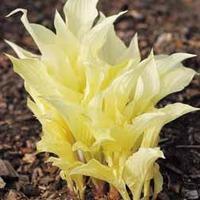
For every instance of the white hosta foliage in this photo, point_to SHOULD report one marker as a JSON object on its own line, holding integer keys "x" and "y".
{"x": 96, "y": 99}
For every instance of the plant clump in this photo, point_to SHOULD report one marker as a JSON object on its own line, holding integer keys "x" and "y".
{"x": 96, "y": 100}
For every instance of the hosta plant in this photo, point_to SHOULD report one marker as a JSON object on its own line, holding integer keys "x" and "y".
{"x": 96, "y": 100}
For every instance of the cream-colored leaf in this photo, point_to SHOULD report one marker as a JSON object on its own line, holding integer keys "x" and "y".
{"x": 112, "y": 49}
{"x": 129, "y": 139}
{"x": 176, "y": 110}
{"x": 115, "y": 52}
{"x": 158, "y": 181}
{"x": 166, "y": 63}
{"x": 80, "y": 15}
{"x": 76, "y": 118}
{"x": 95, "y": 76}
{"x": 59, "y": 24}
{"x": 95, "y": 39}
{"x": 99, "y": 171}
{"x": 146, "y": 120}
{"x": 137, "y": 168}
{"x": 73, "y": 182}
{"x": 132, "y": 52}
{"x": 67, "y": 43}
{"x": 80, "y": 146}
{"x": 152, "y": 122}
{"x": 150, "y": 85}
{"x": 53, "y": 48}
{"x": 121, "y": 91}
{"x": 100, "y": 17}
{"x": 151, "y": 79}
{"x": 21, "y": 53}
{"x": 34, "y": 73}
{"x": 174, "y": 81}
{"x": 41, "y": 35}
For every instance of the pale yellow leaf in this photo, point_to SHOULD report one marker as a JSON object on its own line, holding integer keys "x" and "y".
{"x": 95, "y": 169}
{"x": 80, "y": 15}
{"x": 137, "y": 168}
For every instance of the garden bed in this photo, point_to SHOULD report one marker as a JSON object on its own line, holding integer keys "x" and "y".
{"x": 167, "y": 26}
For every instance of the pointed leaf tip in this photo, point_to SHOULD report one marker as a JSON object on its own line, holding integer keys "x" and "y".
{"x": 24, "y": 11}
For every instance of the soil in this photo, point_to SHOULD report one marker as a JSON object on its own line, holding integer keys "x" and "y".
{"x": 167, "y": 26}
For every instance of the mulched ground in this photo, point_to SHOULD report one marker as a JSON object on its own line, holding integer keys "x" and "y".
{"x": 167, "y": 26}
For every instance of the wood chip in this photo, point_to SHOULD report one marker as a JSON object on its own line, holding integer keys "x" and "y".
{"x": 14, "y": 195}
{"x": 7, "y": 171}
{"x": 2, "y": 183}
{"x": 190, "y": 194}
{"x": 188, "y": 146}
{"x": 29, "y": 157}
